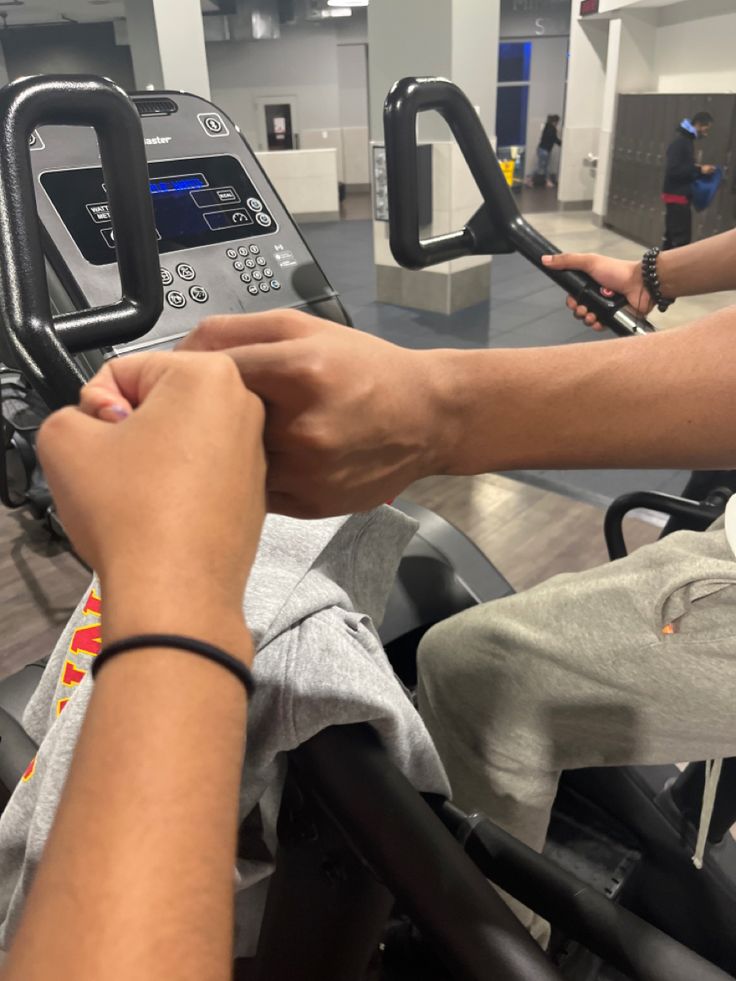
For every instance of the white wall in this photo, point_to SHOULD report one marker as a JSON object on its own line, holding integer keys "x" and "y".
{"x": 302, "y": 63}
{"x": 696, "y": 47}
{"x": 352, "y": 80}
{"x": 546, "y": 90}
{"x": 585, "y": 88}
{"x": 318, "y": 65}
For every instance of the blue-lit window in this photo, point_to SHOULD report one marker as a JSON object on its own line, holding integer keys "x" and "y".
{"x": 512, "y": 99}
{"x": 514, "y": 61}
{"x": 511, "y": 115}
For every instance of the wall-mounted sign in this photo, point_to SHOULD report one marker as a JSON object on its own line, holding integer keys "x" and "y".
{"x": 588, "y": 7}
{"x": 535, "y": 18}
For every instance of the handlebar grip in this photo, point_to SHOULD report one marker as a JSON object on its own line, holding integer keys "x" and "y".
{"x": 33, "y": 340}
{"x": 406, "y": 99}
{"x": 612, "y": 309}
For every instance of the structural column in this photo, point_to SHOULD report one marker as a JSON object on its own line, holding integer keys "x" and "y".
{"x": 457, "y": 39}
{"x": 167, "y": 45}
{"x": 583, "y": 109}
{"x": 629, "y": 68}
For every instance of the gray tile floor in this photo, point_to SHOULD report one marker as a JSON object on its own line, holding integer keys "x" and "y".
{"x": 525, "y": 310}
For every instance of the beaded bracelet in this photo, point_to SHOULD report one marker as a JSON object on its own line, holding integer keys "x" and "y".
{"x": 651, "y": 280}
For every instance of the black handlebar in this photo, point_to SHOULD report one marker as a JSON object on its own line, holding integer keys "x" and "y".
{"x": 497, "y": 227}
{"x": 32, "y": 340}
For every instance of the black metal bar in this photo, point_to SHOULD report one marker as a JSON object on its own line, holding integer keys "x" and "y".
{"x": 713, "y": 486}
{"x": 30, "y": 340}
{"x": 498, "y": 227}
{"x": 325, "y": 911}
{"x": 397, "y": 833}
{"x": 698, "y": 514}
{"x": 622, "y": 939}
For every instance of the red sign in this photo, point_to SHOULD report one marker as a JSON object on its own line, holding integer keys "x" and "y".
{"x": 588, "y": 7}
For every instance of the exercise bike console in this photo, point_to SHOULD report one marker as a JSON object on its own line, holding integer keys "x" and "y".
{"x": 156, "y": 197}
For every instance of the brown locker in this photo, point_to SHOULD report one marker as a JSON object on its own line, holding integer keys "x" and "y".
{"x": 645, "y": 126}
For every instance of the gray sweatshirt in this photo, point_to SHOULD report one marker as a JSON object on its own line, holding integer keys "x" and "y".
{"x": 319, "y": 663}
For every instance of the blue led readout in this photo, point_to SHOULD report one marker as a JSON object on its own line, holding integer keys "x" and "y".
{"x": 167, "y": 185}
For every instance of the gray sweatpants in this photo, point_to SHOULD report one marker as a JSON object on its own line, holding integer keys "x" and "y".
{"x": 630, "y": 663}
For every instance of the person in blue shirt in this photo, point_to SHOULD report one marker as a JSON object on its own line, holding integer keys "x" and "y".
{"x": 680, "y": 174}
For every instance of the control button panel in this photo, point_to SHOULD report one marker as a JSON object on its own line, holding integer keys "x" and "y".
{"x": 176, "y": 299}
{"x": 255, "y": 271}
{"x": 199, "y": 294}
{"x": 213, "y": 124}
{"x": 263, "y": 219}
{"x": 167, "y": 278}
{"x": 254, "y": 204}
{"x": 99, "y": 212}
{"x": 185, "y": 271}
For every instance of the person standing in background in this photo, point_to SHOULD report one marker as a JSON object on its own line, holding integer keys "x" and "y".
{"x": 548, "y": 140}
{"x": 681, "y": 171}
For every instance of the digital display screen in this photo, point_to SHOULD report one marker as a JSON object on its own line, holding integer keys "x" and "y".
{"x": 166, "y": 185}
{"x": 198, "y": 201}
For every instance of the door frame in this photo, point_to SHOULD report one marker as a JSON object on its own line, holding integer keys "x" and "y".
{"x": 260, "y": 102}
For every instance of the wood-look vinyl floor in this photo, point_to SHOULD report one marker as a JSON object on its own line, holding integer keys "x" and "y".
{"x": 40, "y": 584}
{"x": 530, "y": 534}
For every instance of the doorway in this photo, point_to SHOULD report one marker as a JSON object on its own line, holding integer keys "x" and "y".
{"x": 278, "y": 122}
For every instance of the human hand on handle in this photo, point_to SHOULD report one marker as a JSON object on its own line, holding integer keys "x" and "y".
{"x": 173, "y": 492}
{"x": 619, "y": 275}
{"x": 707, "y": 168}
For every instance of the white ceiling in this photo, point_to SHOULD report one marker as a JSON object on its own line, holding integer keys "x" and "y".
{"x": 57, "y": 11}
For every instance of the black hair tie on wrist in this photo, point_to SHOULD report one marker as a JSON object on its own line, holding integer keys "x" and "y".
{"x": 651, "y": 279}
{"x": 209, "y": 651}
